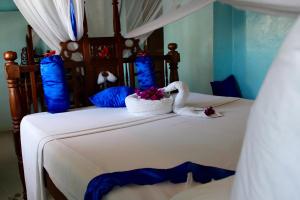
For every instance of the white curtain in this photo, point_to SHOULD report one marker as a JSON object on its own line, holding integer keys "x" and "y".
{"x": 51, "y": 19}
{"x": 269, "y": 163}
{"x": 139, "y": 13}
{"x": 174, "y": 10}
{"x": 273, "y": 7}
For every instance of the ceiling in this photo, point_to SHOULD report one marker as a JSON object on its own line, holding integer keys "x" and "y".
{"x": 7, "y": 5}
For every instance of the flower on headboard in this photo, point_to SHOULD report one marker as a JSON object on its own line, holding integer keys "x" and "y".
{"x": 104, "y": 52}
{"x": 152, "y": 93}
{"x": 50, "y": 53}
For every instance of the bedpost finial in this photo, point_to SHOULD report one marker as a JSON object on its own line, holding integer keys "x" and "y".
{"x": 10, "y": 56}
{"x": 172, "y": 46}
{"x": 175, "y": 56}
{"x": 115, "y": 2}
{"x": 174, "y": 59}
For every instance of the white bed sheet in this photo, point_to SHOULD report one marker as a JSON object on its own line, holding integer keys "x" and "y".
{"x": 215, "y": 190}
{"x": 73, "y": 161}
{"x": 38, "y": 129}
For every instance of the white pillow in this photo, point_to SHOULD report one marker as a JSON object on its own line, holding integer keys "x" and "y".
{"x": 269, "y": 166}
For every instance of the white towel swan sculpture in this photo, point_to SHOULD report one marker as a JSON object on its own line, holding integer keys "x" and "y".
{"x": 179, "y": 105}
{"x": 176, "y": 103}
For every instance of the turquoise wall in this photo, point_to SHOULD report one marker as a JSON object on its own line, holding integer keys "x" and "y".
{"x": 12, "y": 37}
{"x": 245, "y": 44}
{"x": 220, "y": 40}
{"x": 222, "y": 45}
{"x": 194, "y": 36}
{"x": 7, "y": 5}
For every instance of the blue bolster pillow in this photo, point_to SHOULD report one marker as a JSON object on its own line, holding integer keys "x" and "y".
{"x": 145, "y": 72}
{"x": 54, "y": 84}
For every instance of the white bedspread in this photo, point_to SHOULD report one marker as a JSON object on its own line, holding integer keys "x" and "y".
{"x": 79, "y": 145}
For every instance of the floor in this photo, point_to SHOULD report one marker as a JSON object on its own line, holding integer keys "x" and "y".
{"x": 10, "y": 185}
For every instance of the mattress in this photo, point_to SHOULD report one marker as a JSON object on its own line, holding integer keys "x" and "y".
{"x": 80, "y": 151}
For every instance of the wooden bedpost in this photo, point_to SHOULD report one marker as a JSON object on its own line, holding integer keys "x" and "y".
{"x": 118, "y": 40}
{"x": 30, "y": 48}
{"x": 173, "y": 61}
{"x": 13, "y": 83}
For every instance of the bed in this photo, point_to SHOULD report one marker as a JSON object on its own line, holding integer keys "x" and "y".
{"x": 75, "y": 146}
{"x": 219, "y": 144}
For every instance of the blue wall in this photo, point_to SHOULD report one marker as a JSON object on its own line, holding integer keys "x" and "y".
{"x": 245, "y": 44}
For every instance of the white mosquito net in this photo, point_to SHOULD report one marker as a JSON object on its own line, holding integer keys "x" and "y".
{"x": 269, "y": 164}
{"x": 268, "y": 167}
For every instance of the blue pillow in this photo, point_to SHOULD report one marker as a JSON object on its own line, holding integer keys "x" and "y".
{"x": 145, "y": 72}
{"x": 227, "y": 87}
{"x": 112, "y": 97}
{"x": 54, "y": 84}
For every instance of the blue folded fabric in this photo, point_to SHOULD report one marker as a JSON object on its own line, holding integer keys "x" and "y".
{"x": 73, "y": 19}
{"x": 145, "y": 72}
{"x": 103, "y": 184}
{"x": 227, "y": 88}
{"x": 54, "y": 84}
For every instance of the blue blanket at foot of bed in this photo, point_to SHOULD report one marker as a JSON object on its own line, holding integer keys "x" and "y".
{"x": 103, "y": 184}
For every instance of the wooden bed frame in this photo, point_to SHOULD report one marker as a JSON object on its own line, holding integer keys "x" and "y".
{"x": 25, "y": 87}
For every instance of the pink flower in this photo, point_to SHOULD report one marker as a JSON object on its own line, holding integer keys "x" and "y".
{"x": 50, "y": 53}
{"x": 150, "y": 94}
{"x": 209, "y": 111}
{"x": 104, "y": 52}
